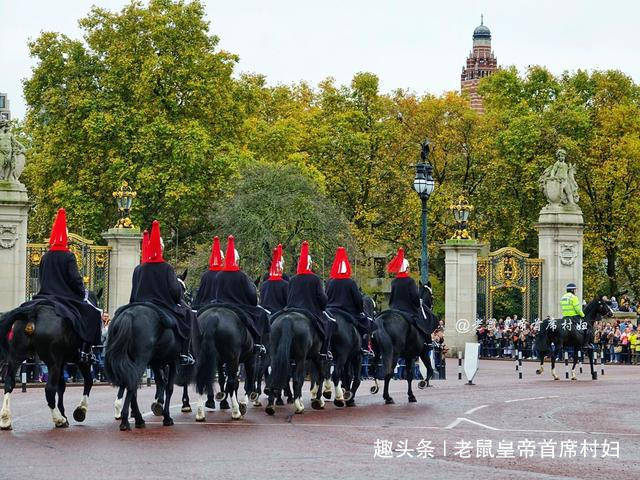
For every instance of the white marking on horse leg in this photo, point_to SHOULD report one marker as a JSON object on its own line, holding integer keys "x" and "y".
{"x": 235, "y": 407}
{"x": 57, "y": 417}
{"x": 117, "y": 406}
{"x": 553, "y": 372}
{"x": 321, "y": 401}
{"x": 339, "y": 393}
{"x": 299, "y": 406}
{"x": 84, "y": 403}
{"x": 200, "y": 407}
{"x": 216, "y": 387}
{"x": 5, "y": 413}
{"x": 328, "y": 385}
{"x": 573, "y": 375}
{"x": 314, "y": 391}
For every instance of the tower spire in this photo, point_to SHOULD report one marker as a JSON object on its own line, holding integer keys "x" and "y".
{"x": 482, "y": 19}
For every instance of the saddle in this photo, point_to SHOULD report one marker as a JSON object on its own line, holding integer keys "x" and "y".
{"x": 317, "y": 322}
{"x": 244, "y": 316}
{"x": 167, "y": 320}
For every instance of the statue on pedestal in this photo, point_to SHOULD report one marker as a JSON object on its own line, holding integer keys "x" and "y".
{"x": 558, "y": 183}
{"x": 12, "y": 159}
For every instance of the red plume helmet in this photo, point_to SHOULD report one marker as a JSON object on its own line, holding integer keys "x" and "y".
{"x": 145, "y": 246}
{"x": 154, "y": 248}
{"x": 399, "y": 265}
{"x": 304, "y": 263}
{"x": 275, "y": 272}
{"x": 231, "y": 258}
{"x": 341, "y": 267}
{"x": 58, "y": 241}
{"x": 216, "y": 260}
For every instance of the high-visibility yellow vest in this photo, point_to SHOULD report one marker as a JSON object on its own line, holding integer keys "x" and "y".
{"x": 570, "y": 305}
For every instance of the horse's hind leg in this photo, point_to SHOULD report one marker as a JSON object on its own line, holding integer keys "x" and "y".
{"x": 541, "y": 369}
{"x": 231, "y": 389}
{"x": 336, "y": 377}
{"x": 553, "y": 365}
{"x": 117, "y": 404}
{"x": 135, "y": 411}
{"x": 250, "y": 383}
{"x": 124, "y": 420}
{"x": 411, "y": 364}
{"x": 211, "y": 401}
{"x": 167, "y": 421}
{"x": 186, "y": 407}
{"x": 354, "y": 380}
{"x": 575, "y": 362}
{"x": 62, "y": 386}
{"x": 298, "y": 380}
{"x": 594, "y": 374}
{"x": 9, "y": 384}
{"x": 157, "y": 407}
{"x": 80, "y": 413}
{"x": 50, "y": 390}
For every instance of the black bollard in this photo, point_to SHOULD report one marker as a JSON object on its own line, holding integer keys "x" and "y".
{"x": 519, "y": 366}
{"x": 459, "y": 365}
{"x": 23, "y": 377}
{"x": 566, "y": 365}
{"x": 580, "y": 360}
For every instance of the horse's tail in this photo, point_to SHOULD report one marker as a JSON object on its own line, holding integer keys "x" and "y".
{"x": 385, "y": 346}
{"x": 280, "y": 357}
{"x": 206, "y": 366}
{"x": 119, "y": 364}
{"x": 6, "y": 322}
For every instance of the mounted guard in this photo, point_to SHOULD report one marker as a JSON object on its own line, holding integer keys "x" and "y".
{"x": 343, "y": 294}
{"x": 207, "y": 290}
{"x": 158, "y": 284}
{"x": 234, "y": 287}
{"x": 274, "y": 290}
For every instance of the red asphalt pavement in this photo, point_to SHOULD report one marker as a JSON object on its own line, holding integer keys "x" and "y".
{"x": 340, "y": 443}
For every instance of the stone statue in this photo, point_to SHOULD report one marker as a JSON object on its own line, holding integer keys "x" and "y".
{"x": 12, "y": 159}
{"x": 558, "y": 182}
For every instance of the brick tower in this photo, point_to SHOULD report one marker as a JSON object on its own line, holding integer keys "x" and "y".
{"x": 480, "y": 63}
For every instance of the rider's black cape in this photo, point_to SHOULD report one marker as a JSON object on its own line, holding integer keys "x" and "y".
{"x": 344, "y": 294}
{"x": 62, "y": 287}
{"x": 236, "y": 288}
{"x": 157, "y": 283}
{"x": 306, "y": 292}
{"x": 207, "y": 290}
{"x": 405, "y": 297}
{"x": 273, "y": 295}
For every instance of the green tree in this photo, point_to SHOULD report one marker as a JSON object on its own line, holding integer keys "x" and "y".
{"x": 145, "y": 97}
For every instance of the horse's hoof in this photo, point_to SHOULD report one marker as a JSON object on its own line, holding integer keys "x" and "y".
{"x": 118, "y": 418}
{"x": 280, "y": 402}
{"x": 63, "y": 425}
{"x": 289, "y": 401}
{"x": 574, "y": 379}
{"x": 157, "y": 409}
{"x": 270, "y": 410}
{"x": 125, "y": 427}
{"x": 79, "y": 414}
{"x": 594, "y": 376}
{"x": 556, "y": 378}
{"x": 257, "y": 403}
{"x": 6, "y": 428}
{"x": 412, "y": 399}
{"x": 186, "y": 409}
{"x": 167, "y": 422}
{"x": 254, "y": 396}
{"x": 200, "y": 419}
{"x": 351, "y": 403}
{"x": 220, "y": 396}
{"x": 373, "y": 390}
{"x": 347, "y": 395}
{"x": 315, "y": 404}
{"x": 327, "y": 395}
{"x": 141, "y": 424}
{"x": 210, "y": 404}
{"x": 389, "y": 401}
{"x": 538, "y": 372}
{"x": 338, "y": 403}
{"x": 224, "y": 405}
{"x": 243, "y": 409}
{"x": 422, "y": 384}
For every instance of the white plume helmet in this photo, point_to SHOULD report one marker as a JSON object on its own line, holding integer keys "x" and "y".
{"x": 343, "y": 267}
{"x": 405, "y": 266}
{"x": 309, "y": 262}
{"x": 162, "y": 244}
{"x": 237, "y": 255}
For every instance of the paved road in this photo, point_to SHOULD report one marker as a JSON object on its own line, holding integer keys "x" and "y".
{"x": 341, "y": 443}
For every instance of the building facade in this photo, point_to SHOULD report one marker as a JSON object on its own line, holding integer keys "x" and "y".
{"x": 480, "y": 63}
{"x": 5, "y": 113}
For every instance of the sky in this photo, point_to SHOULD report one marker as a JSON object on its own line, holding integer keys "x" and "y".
{"x": 419, "y": 45}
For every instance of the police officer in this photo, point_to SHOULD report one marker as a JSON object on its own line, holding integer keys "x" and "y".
{"x": 207, "y": 290}
{"x": 572, "y": 308}
{"x": 343, "y": 294}
{"x": 275, "y": 289}
{"x": 157, "y": 283}
{"x": 405, "y": 295}
{"x": 306, "y": 292}
{"x": 234, "y": 287}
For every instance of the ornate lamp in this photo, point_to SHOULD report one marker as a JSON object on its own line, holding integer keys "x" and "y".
{"x": 124, "y": 199}
{"x": 424, "y": 184}
{"x": 461, "y": 212}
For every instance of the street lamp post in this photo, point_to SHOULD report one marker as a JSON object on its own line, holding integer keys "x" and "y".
{"x": 124, "y": 199}
{"x": 423, "y": 184}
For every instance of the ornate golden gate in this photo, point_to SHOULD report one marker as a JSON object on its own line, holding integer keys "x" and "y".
{"x": 93, "y": 264}
{"x": 509, "y": 267}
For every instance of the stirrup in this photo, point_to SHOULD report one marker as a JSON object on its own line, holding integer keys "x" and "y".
{"x": 87, "y": 357}
{"x": 187, "y": 360}
{"x": 327, "y": 356}
{"x": 259, "y": 349}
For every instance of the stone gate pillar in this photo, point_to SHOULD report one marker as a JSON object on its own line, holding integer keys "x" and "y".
{"x": 14, "y": 209}
{"x": 125, "y": 246}
{"x": 560, "y": 245}
{"x": 460, "y": 293}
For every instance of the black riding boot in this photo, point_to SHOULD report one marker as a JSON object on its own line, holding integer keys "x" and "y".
{"x": 258, "y": 347}
{"x": 86, "y": 353}
{"x": 186, "y": 359}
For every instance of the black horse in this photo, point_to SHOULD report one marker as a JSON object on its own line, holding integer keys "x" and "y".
{"x": 294, "y": 337}
{"x": 140, "y": 336}
{"x": 570, "y": 333}
{"x": 225, "y": 342}
{"x": 53, "y": 340}
{"x": 396, "y": 337}
{"x": 347, "y": 359}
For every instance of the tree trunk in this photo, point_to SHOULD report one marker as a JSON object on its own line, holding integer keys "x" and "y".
{"x": 611, "y": 270}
